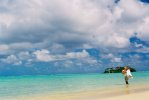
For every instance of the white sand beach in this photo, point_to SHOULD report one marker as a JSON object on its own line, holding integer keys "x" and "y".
{"x": 128, "y": 93}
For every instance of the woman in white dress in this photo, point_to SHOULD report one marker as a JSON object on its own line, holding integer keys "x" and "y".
{"x": 127, "y": 74}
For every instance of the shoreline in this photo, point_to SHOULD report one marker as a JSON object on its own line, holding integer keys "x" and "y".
{"x": 113, "y": 93}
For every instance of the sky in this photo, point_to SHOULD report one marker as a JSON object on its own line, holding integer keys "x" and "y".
{"x": 72, "y": 36}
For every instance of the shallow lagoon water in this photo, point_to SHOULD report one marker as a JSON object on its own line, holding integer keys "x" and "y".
{"x": 13, "y": 86}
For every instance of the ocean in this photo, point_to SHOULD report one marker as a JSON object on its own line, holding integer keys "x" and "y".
{"x": 14, "y": 86}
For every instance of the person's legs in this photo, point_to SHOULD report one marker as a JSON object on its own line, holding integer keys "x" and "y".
{"x": 126, "y": 80}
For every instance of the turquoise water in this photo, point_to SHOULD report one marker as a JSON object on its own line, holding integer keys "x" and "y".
{"x": 62, "y": 83}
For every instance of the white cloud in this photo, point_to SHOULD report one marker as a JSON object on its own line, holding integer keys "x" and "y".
{"x": 97, "y": 23}
{"x": 57, "y": 48}
{"x": 112, "y": 57}
{"x": 61, "y": 26}
{"x": 68, "y": 63}
{"x": 144, "y": 30}
{"x": 43, "y": 55}
{"x": 91, "y": 61}
{"x": 117, "y": 41}
{"x": 118, "y": 60}
{"x": 82, "y": 54}
{"x": 133, "y": 12}
{"x": 12, "y": 59}
{"x": 24, "y": 55}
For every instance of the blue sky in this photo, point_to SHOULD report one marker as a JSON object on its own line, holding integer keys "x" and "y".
{"x": 72, "y": 36}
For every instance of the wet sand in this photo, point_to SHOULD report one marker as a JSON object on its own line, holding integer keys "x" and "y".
{"x": 125, "y": 93}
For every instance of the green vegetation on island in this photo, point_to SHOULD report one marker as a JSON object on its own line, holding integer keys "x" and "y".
{"x": 117, "y": 70}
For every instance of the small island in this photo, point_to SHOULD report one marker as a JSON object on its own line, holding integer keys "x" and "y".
{"x": 117, "y": 70}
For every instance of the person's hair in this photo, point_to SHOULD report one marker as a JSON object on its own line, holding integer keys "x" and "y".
{"x": 127, "y": 67}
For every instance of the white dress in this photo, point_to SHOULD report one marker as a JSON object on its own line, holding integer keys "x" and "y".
{"x": 128, "y": 73}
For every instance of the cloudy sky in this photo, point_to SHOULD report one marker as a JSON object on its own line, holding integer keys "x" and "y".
{"x": 72, "y": 36}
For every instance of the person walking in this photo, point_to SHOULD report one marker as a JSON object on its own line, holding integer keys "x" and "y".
{"x": 127, "y": 74}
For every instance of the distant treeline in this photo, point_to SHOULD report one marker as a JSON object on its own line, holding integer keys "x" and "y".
{"x": 117, "y": 69}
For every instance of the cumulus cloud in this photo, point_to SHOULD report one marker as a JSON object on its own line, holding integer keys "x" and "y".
{"x": 68, "y": 63}
{"x": 49, "y": 30}
{"x": 82, "y": 54}
{"x": 143, "y": 29}
{"x": 24, "y": 55}
{"x": 113, "y": 58}
{"x": 12, "y": 59}
{"x": 85, "y": 22}
{"x": 44, "y": 55}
